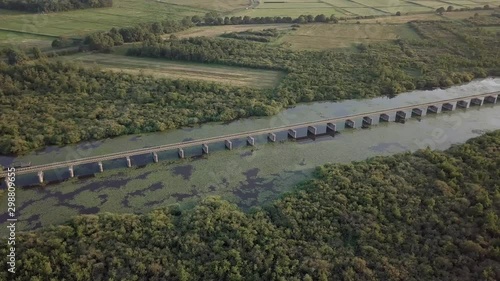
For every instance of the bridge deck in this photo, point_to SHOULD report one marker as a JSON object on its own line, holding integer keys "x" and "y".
{"x": 173, "y": 146}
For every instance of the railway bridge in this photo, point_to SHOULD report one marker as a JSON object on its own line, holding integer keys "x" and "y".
{"x": 399, "y": 114}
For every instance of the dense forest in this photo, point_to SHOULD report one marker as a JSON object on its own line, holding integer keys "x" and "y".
{"x": 38, "y": 6}
{"x": 47, "y": 103}
{"x": 425, "y": 216}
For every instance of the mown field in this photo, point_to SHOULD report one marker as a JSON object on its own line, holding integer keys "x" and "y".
{"x": 236, "y": 76}
{"x": 319, "y": 36}
{"x": 9, "y": 38}
{"x": 213, "y": 5}
{"x": 327, "y": 36}
{"x": 212, "y": 31}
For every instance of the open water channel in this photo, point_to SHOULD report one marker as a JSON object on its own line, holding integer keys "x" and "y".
{"x": 247, "y": 176}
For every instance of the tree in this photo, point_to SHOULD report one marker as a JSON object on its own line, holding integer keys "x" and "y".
{"x": 398, "y": 13}
{"x": 333, "y": 19}
{"x": 196, "y": 19}
{"x": 320, "y": 18}
{"x": 37, "y": 53}
{"x": 16, "y": 56}
{"x": 440, "y": 10}
{"x": 450, "y": 9}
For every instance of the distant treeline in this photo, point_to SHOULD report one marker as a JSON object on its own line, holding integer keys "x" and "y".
{"x": 38, "y": 6}
{"x": 215, "y": 19}
{"x": 104, "y": 41}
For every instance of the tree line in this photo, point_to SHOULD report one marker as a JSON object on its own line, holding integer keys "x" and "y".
{"x": 214, "y": 18}
{"x": 38, "y": 6}
{"x": 429, "y": 215}
{"x": 104, "y": 41}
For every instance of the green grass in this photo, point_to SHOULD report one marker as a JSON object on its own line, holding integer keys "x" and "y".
{"x": 81, "y": 22}
{"x": 215, "y": 5}
{"x": 326, "y": 36}
{"x": 295, "y": 12}
{"x": 24, "y": 40}
{"x": 295, "y": 8}
{"x": 236, "y": 76}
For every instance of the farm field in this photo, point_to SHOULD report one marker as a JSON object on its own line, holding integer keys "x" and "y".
{"x": 325, "y": 36}
{"x": 214, "y": 5}
{"x": 236, "y": 76}
{"x": 428, "y": 17}
{"x": 342, "y": 8}
{"x": 80, "y": 22}
{"x": 23, "y": 40}
{"x": 212, "y": 31}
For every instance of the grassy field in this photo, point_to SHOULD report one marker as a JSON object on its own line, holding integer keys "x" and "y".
{"x": 9, "y": 39}
{"x": 80, "y": 22}
{"x": 213, "y": 5}
{"x": 319, "y": 36}
{"x": 236, "y": 76}
{"x": 25, "y": 29}
{"x": 212, "y": 31}
{"x": 291, "y": 8}
{"x": 428, "y": 16}
{"x": 326, "y": 36}
{"x": 356, "y": 7}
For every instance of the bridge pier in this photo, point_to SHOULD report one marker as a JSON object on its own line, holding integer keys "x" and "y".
{"x": 384, "y": 117}
{"x": 432, "y": 109}
{"x": 416, "y": 112}
{"x": 155, "y": 157}
{"x": 400, "y": 116}
{"x": 272, "y": 137}
{"x": 447, "y": 107}
{"x": 204, "y": 149}
{"x": 71, "y": 172}
{"x": 312, "y": 130}
{"x": 251, "y": 141}
{"x": 228, "y": 144}
{"x": 476, "y": 101}
{"x": 129, "y": 163}
{"x": 292, "y": 133}
{"x": 350, "y": 124}
{"x": 490, "y": 99}
{"x": 6, "y": 179}
{"x": 463, "y": 104}
{"x": 180, "y": 152}
{"x": 330, "y": 127}
{"x": 101, "y": 168}
{"x": 40, "y": 177}
{"x": 367, "y": 121}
